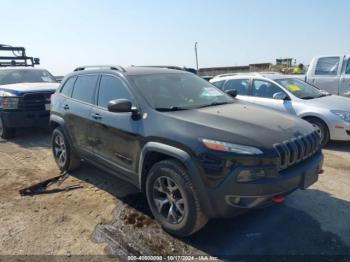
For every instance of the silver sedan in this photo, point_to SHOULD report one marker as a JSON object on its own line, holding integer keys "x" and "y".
{"x": 330, "y": 114}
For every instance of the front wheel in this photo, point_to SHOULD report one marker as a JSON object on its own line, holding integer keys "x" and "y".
{"x": 62, "y": 151}
{"x": 321, "y": 129}
{"x": 172, "y": 199}
{"x": 6, "y": 132}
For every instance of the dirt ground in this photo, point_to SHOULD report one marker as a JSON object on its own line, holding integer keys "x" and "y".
{"x": 93, "y": 219}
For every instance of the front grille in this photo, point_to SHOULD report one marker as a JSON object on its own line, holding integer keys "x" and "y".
{"x": 297, "y": 149}
{"x": 35, "y": 101}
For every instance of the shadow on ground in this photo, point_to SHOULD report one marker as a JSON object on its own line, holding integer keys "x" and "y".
{"x": 338, "y": 146}
{"x": 278, "y": 230}
{"x": 31, "y": 137}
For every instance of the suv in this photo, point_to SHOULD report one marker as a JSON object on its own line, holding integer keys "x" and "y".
{"x": 195, "y": 151}
{"x": 24, "y": 98}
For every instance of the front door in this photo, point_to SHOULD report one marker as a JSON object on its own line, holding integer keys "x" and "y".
{"x": 116, "y": 139}
{"x": 344, "y": 89}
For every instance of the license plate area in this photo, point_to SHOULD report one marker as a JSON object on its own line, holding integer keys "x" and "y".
{"x": 309, "y": 178}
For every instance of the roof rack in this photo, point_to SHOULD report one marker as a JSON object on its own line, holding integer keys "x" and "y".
{"x": 248, "y": 74}
{"x": 18, "y": 57}
{"x": 111, "y": 67}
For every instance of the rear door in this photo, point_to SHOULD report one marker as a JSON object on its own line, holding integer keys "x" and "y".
{"x": 116, "y": 140}
{"x": 344, "y": 89}
{"x": 326, "y": 74}
{"x": 78, "y": 112}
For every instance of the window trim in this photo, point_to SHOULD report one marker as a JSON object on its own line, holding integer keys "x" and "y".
{"x": 94, "y": 93}
{"x": 133, "y": 99}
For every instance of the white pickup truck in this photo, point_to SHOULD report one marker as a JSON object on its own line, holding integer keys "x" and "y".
{"x": 330, "y": 73}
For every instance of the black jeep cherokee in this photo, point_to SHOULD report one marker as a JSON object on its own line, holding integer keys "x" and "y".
{"x": 195, "y": 151}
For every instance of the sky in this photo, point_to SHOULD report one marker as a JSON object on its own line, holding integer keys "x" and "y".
{"x": 69, "y": 33}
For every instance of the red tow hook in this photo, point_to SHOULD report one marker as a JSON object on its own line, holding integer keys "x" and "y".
{"x": 278, "y": 199}
{"x": 321, "y": 171}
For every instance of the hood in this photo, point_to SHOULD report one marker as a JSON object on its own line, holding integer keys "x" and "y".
{"x": 22, "y": 88}
{"x": 332, "y": 102}
{"x": 244, "y": 123}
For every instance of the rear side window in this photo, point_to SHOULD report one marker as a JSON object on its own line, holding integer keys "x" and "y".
{"x": 84, "y": 88}
{"x": 240, "y": 85}
{"x": 219, "y": 84}
{"x": 68, "y": 87}
{"x": 111, "y": 88}
{"x": 327, "y": 66}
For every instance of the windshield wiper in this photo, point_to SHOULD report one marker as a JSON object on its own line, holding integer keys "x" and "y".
{"x": 308, "y": 97}
{"x": 169, "y": 109}
{"x": 215, "y": 104}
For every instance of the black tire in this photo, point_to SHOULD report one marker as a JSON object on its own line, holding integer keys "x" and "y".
{"x": 59, "y": 142}
{"x": 322, "y": 129}
{"x": 6, "y": 132}
{"x": 192, "y": 218}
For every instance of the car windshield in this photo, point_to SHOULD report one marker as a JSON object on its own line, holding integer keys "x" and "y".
{"x": 178, "y": 91}
{"x": 14, "y": 76}
{"x": 300, "y": 88}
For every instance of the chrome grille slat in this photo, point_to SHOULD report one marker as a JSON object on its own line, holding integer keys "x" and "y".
{"x": 297, "y": 149}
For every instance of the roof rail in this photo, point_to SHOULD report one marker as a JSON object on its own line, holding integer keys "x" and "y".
{"x": 111, "y": 67}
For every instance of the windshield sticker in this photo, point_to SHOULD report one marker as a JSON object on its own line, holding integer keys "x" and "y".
{"x": 211, "y": 91}
{"x": 46, "y": 79}
{"x": 294, "y": 88}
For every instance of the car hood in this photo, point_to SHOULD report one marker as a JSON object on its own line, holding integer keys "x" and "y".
{"x": 332, "y": 102}
{"x": 243, "y": 123}
{"x": 21, "y": 88}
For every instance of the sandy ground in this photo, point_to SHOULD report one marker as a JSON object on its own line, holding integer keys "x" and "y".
{"x": 71, "y": 222}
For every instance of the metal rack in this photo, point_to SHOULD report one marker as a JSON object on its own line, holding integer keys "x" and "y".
{"x": 18, "y": 57}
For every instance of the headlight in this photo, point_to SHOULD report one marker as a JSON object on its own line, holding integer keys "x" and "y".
{"x": 229, "y": 147}
{"x": 342, "y": 114}
{"x": 7, "y": 103}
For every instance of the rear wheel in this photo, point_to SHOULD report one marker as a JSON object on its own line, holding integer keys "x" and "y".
{"x": 321, "y": 129}
{"x": 64, "y": 156}
{"x": 172, "y": 199}
{"x": 6, "y": 132}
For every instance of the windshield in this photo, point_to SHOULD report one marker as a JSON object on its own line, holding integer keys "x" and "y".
{"x": 300, "y": 88}
{"x": 178, "y": 91}
{"x": 14, "y": 76}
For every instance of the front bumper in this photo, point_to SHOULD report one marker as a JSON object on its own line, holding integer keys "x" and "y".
{"x": 19, "y": 119}
{"x": 340, "y": 131}
{"x": 231, "y": 197}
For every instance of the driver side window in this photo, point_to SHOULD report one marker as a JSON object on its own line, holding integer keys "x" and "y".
{"x": 265, "y": 89}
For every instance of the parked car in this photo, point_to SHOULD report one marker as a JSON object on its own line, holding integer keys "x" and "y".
{"x": 330, "y": 114}
{"x": 330, "y": 73}
{"x": 24, "y": 98}
{"x": 196, "y": 152}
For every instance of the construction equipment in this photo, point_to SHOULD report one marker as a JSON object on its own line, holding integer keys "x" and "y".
{"x": 17, "y": 57}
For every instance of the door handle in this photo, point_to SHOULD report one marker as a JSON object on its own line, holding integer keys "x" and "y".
{"x": 66, "y": 107}
{"x": 96, "y": 116}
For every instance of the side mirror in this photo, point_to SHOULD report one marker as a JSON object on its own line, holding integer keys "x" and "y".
{"x": 231, "y": 92}
{"x": 119, "y": 106}
{"x": 280, "y": 96}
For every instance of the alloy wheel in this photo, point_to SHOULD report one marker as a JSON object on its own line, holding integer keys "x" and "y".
{"x": 169, "y": 200}
{"x": 319, "y": 131}
{"x": 60, "y": 150}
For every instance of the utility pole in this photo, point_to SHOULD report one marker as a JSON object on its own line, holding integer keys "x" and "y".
{"x": 195, "y": 50}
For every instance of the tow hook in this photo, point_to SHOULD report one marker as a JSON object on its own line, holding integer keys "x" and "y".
{"x": 278, "y": 199}
{"x": 321, "y": 171}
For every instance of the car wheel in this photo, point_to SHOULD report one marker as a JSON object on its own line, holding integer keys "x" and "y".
{"x": 321, "y": 128}
{"x": 172, "y": 199}
{"x": 65, "y": 158}
{"x": 6, "y": 132}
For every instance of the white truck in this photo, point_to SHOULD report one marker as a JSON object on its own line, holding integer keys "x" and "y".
{"x": 330, "y": 73}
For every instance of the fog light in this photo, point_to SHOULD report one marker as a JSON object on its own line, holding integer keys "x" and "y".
{"x": 250, "y": 175}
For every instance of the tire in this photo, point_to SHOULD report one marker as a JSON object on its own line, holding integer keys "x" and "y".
{"x": 322, "y": 128}
{"x": 6, "y": 132}
{"x": 187, "y": 216}
{"x": 65, "y": 157}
